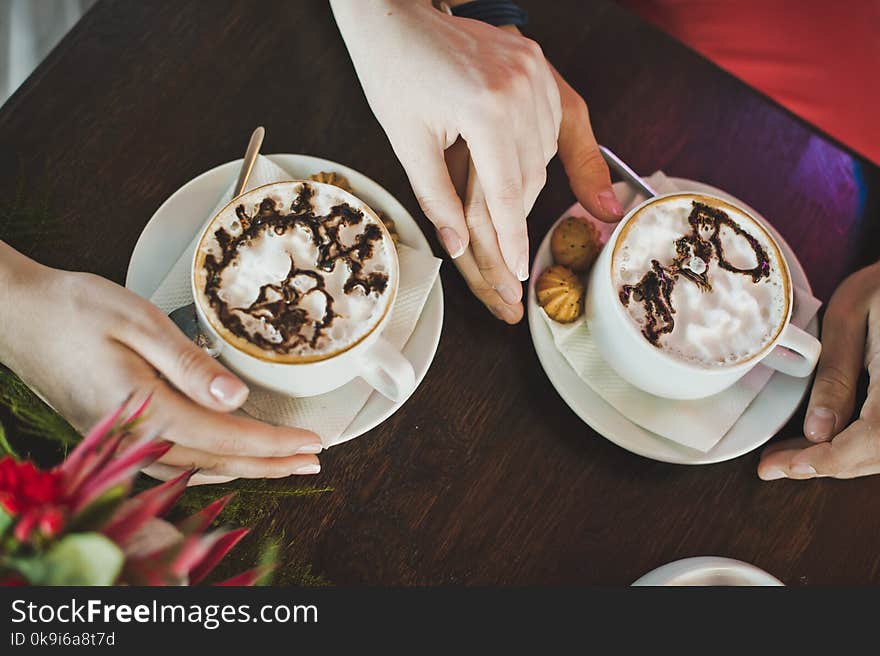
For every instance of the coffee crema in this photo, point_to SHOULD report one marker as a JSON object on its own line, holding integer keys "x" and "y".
{"x": 701, "y": 280}
{"x": 295, "y": 271}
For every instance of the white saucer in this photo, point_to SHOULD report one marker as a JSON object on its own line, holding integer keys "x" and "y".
{"x": 769, "y": 412}
{"x": 708, "y": 570}
{"x": 176, "y": 222}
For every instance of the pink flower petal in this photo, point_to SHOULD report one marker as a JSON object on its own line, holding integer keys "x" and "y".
{"x": 201, "y": 520}
{"x": 220, "y": 548}
{"x": 147, "y": 505}
{"x": 249, "y": 577}
{"x": 120, "y": 469}
{"x": 92, "y": 439}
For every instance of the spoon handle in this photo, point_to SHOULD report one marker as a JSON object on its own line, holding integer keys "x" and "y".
{"x": 626, "y": 172}
{"x": 250, "y": 157}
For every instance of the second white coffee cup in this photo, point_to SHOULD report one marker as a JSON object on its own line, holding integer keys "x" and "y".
{"x": 625, "y": 349}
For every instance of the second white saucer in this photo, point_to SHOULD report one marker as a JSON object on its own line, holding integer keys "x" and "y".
{"x": 769, "y": 412}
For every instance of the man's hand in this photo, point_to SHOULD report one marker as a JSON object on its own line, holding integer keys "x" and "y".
{"x": 850, "y": 342}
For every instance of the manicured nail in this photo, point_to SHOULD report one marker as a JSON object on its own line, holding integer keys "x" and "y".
{"x": 451, "y": 242}
{"x": 820, "y": 423}
{"x": 307, "y": 469}
{"x": 311, "y": 447}
{"x": 803, "y": 470}
{"x": 773, "y": 474}
{"x": 230, "y": 391}
{"x": 608, "y": 201}
{"x": 507, "y": 294}
{"x": 522, "y": 270}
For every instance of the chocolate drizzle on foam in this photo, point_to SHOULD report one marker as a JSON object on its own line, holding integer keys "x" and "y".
{"x": 693, "y": 253}
{"x": 279, "y": 304}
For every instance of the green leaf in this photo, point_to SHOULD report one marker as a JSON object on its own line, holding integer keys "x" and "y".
{"x": 5, "y": 520}
{"x": 82, "y": 559}
{"x": 48, "y": 434}
{"x": 5, "y": 446}
{"x": 95, "y": 515}
{"x": 269, "y": 560}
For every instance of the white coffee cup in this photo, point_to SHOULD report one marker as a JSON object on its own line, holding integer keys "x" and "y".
{"x": 636, "y": 360}
{"x": 372, "y": 358}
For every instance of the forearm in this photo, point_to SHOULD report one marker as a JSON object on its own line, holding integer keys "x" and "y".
{"x": 18, "y": 273}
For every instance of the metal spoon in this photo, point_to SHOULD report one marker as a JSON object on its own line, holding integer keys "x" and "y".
{"x": 626, "y": 172}
{"x": 185, "y": 317}
{"x": 250, "y": 157}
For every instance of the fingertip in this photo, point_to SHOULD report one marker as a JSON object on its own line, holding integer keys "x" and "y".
{"x": 228, "y": 391}
{"x": 310, "y": 467}
{"x": 454, "y": 243}
{"x": 516, "y": 314}
{"x": 312, "y": 443}
{"x": 510, "y": 314}
{"x": 610, "y": 204}
{"x": 519, "y": 267}
{"x": 820, "y": 424}
{"x": 770, "y": 473}
{"x": 802, "y": 470}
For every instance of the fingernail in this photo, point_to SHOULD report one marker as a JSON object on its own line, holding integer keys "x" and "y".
{"x": 312, "y": 447}
{"x": 228, "y": 390}
{"x": 608, "y": 201}
{"x": 502, "y": 312}
{"x": 819, "y": 424}
{"x": 507, "y": 294}
{"x": 307, "y": 469}
{"x": 803, "y": 470}
{"x": 451, "y": 242}
{"x": 773, "y": 474}
{"x": 522, "y": 270}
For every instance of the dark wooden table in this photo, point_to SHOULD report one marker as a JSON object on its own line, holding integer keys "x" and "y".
{"x": 486, "y": 476}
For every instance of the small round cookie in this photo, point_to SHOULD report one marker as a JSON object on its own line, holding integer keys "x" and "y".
{"x": 575, "y": 244}
{"x": 330, "y": 177}
{"x": 560, "y": 292}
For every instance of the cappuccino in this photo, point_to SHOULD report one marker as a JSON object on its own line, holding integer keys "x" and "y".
{"x": 701, "y": 280}
{"x": 295, "y": 272}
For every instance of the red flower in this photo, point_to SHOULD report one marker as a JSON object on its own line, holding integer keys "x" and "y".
{"x": 87, "y": 492}
{"x": 23, "y": 487}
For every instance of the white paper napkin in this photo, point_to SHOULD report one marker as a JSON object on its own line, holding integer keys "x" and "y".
{"x": 696, "y": 424}
{"x": 329, "y": 414}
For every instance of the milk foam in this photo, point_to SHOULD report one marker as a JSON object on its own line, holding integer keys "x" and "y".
{"x": 271, "y": 262}
{"x": 730, "y": 323}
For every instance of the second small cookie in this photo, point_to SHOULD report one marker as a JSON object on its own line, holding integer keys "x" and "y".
{"x": 561, "y": 293}
{"x": 575, "y": 244}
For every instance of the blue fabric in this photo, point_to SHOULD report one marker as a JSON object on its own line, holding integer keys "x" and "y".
{"x": 494, "y": 12}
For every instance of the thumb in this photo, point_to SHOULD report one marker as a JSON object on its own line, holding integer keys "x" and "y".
{"x": 186, "y": 366}
{"x": 832, "y": 400}
{"x": 425, "y": 166}
{"x": 586, "y": 169}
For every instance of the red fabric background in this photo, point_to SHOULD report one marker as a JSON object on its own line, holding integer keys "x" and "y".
{"x": 820, "y": 59}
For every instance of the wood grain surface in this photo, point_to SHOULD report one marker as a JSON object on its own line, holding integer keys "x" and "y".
{"x": 485, "y": 476}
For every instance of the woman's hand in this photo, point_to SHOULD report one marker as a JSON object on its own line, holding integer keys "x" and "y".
{"x": 433, "y": 79}
{"x": 480, "y": 265}
{"x": 86, "y": 344}
{"x": 850, "y": 342}
{"x": 430, "y": 78}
